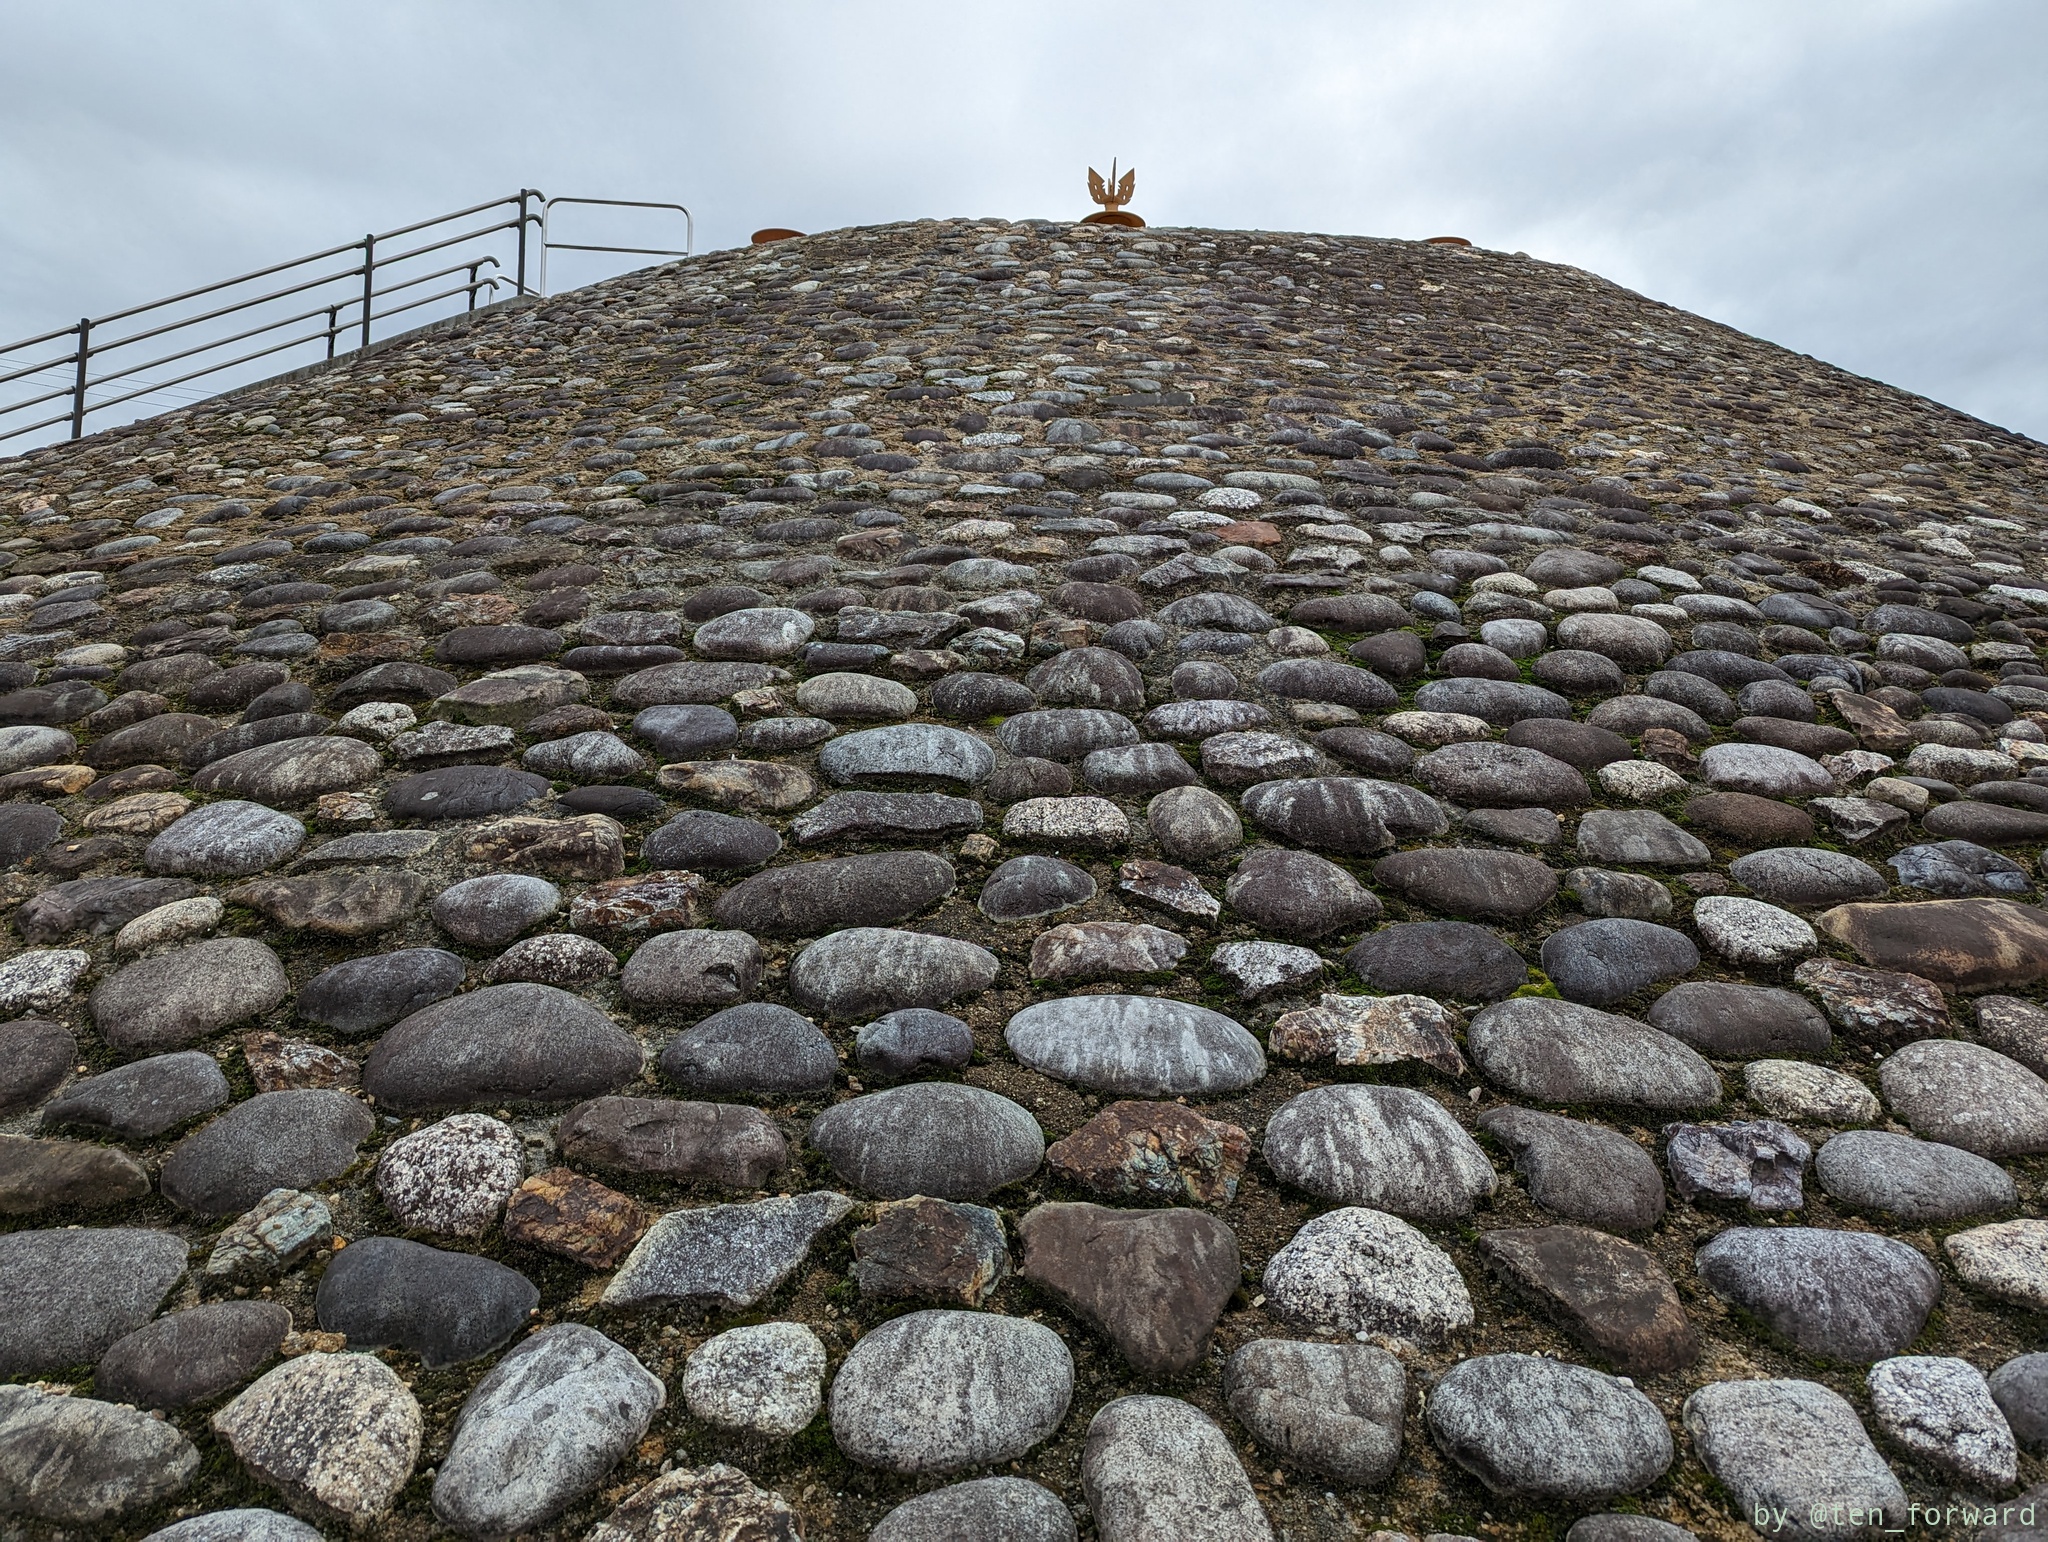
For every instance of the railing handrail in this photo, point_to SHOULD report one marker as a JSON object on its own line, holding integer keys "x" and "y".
{"x": 354, "y": 312}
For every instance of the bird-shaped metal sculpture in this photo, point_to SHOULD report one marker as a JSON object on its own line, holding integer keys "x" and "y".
{"x": 1113, "y": 194}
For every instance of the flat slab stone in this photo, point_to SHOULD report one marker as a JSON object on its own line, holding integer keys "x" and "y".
{"x": 1966, "y": 944}
{"x": 728, "y": 1255}
{"x": 936, "y": 1391}
{"x": 1837, "y": 1294}
{"x": 1561, "y": 1052}
{"x": 1385, "y": 1148}
{"x": 1154, "y": 1282}
{"x": 1940, "y": 1410}
{"x": 1143, "y": 1046}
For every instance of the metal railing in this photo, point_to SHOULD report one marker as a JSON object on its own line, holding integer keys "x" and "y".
{"x": 318, "y": 309}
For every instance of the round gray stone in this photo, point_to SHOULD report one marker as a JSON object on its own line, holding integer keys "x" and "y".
{"x": 1136, "y": 1046}
{"x": 936, "y": 1391}
{"x": 1009, "y": 1509}
{"x": 864, "y": 969}
{"x": 296, "y": 1139}
{"x": 1917, "y": 1181}
{"x": 229, "y": 839}
{"x": 1602, "y": 962}
{"x": 936, "y": 1138}
{"x": 1386, "y": 1148}
{"x": 188, "y": 994}
{"x": 492, "y": 910}
{"x": 1536, "y": 1428}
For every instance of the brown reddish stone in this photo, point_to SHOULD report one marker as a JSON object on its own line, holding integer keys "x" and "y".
{"x": 725, "y": 1143}
{"x": 741, "y": 784}
{"x": 590, "y": 846}
{"x": 46, "y": 782}
{"x": 666, "y": 901}
{"x": 1166, "y": 887}
{"x": 1743, "y": 819}
{"x": 38, "y": 1175}
{"x": 1875, "y": 1006}
{"x": 931, "y": 1249}
{"x": 1372, "y": 1030}
{"x": 359, "y": 650}
{"x": 1879, "y": 727}
{"x": 1153, "y": 1281}
{"x": 132, "y": 779}
{"x": 347, "y": 902}
{"x": 1249, "y": 532}
{"x": 1611, "y": 1296}
{"x": 571, "y": 718}
{"x": 1159, "y": 1150}
{"x": 561, "y": 1211}
{"x": 1668, "y": 747}
{"x": 1967, "y": 944}
{"x": 278, "y": 1064}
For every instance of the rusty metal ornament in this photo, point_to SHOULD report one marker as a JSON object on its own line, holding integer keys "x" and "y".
{"x": 1113, "y": 195}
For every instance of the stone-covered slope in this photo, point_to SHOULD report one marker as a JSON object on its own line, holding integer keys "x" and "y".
{"x": 1026, "y": 878}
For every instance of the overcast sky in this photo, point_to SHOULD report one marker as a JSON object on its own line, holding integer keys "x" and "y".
{"x": 1865, "y": 181}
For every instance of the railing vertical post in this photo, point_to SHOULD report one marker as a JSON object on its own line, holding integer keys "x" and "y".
{"x": 524, "y": 194}
{"x": 369, "y": 283}
{"x": 472, "y": 283}
{"x": 333, "y": 313}
{"x": 78, "y": 381}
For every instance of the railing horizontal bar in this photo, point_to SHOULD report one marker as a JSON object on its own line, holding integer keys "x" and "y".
{"x": 30, "y": 342}
{"x": 435, "y": 246}
{"x": 218, "y": 342}
{"x": 227, "y": 310}
{"x": 228, "y": 283}
{"x": 29, "y": 428}
{"x": 631, "y": 251}
{"x": 406, "y": 230}
{"x": 32, "y": 401}
{"x": 428, "y": 278}
{"x": 36, "y": 369}
{"x": 295, "y": 262}
{"x": 399, "y": 310}
{"x": 261, "y": 353}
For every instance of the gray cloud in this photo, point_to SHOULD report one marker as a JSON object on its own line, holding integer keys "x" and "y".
{"x": 1860, "y": 181}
